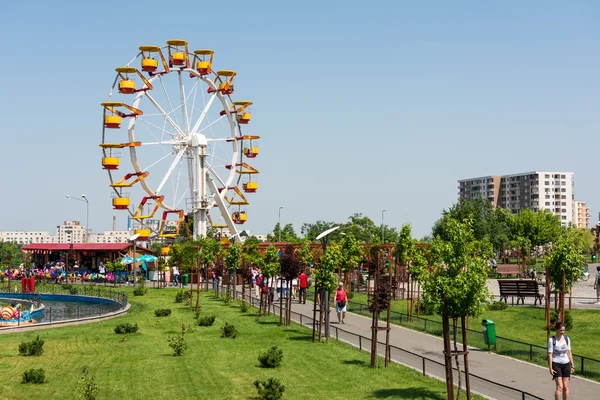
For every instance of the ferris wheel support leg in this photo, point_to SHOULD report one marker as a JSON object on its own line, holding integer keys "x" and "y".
{"x": 199, "y": 223}
{"x": 233, "y": 232}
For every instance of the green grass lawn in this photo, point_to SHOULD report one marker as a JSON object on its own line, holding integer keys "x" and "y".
{"x": 523, "y": 323}
{"x": 141, "y": 365}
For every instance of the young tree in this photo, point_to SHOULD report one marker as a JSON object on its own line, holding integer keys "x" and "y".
{"x": 270, "y": 269}
{"x": 233, "y": 261}
{"x": 209, "y": 248}
{"x": 564, "y": 268}
{"x": 456, "y": 286}
{"x": 326, "y": 281}
{"x": 251, "y": 258}
{"x": 305, "y": 253}
{"x": 351, "y": 257}
{"x": 289, "y": 263}
{"x": 186, "y": 257}
{"x": 402, "y": 252}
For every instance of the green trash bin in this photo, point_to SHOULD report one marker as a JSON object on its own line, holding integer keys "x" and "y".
{"x": 489, "y": 332}
{"x": 186, "y": 280}
{"x": 593, "y": 257}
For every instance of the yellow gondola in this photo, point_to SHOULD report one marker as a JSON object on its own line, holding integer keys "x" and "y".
{"x": 203, "y": 61}
{"x": 178, "y": 53}
{"x": 149, "y": 61}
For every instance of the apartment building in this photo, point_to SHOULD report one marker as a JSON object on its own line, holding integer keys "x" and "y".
{"x": 27, "y": 237}
{"x": 581, "y": 214}
{"x": 538, "y": 190}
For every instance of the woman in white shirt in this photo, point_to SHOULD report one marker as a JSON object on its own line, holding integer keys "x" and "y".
{"x": 560, "y": 360}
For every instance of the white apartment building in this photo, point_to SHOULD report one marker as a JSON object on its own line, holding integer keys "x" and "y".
{"x": 110, "y": 237}
{"x": 538, "y": 190}
{"x": 70, "y": 232}
{"x": 27, "y": 237}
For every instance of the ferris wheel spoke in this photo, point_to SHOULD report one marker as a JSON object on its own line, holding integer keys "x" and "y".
{"x": 194, "y": 90}
{"x": 164, "y": 114}
{"x": 163, "y": 130}
{"x": 164, "y": 142}
{"x": 149, "y": 167}
{"x": 201, "y": 118}
{"x": 171, "y": 168}
{"x": 212, "y": 123}
{"x": 186, "y": 122}
{"x": 168, "y": 98}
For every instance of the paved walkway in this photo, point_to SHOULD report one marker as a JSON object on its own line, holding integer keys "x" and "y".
{"x": 510, "y": 372}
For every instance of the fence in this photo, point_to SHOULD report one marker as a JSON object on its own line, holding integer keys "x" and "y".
{"x": 77, "y": 311}
{"x": 426, "y": 366}
{"x": 584, "y": 366}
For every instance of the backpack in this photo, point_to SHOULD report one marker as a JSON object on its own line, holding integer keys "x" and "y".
{"x": 554, "y": 340}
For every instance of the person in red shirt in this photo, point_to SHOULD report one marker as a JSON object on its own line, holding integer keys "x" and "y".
{"x": 303, "y": 282}
{"x": 340, "y": 303}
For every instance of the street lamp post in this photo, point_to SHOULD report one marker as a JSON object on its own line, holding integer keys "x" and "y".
{"x": 87, "y": 213}
{"x": 382, "y": 234}
{"x": 279, "y": 222}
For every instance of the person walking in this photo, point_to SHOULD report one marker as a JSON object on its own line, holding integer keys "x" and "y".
{"x": 560, "y": 360}
{"x": 340, "y": 303}
{"x": 303, "y": 282}
{"x": 175, "y": 275}
{"x": 597, "y": 284}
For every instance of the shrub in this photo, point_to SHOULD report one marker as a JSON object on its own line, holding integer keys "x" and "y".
{"x": 182, "y": 295}
{"x": 228, "y": 331}
{"x": 272, "y": 358}
{"x": 198, "y": 312}
{"x": 86, "y": 386}
{"x": 37, "y": 376}
{"x": 554, "y": 317}
{"x": 271, "y": 389}
{"x": 33, "y": 348}
{"x": 244, "y": 307}
{"x": 497, "y": 306}
{"x": 162, "y": 312}
{"x": 126, "y": 328}
{"x": 139, "y": 291}
{"x": 207, "y": 320}
{"x": 228, "y": 299}
{"x": 178, "y": 344}
{"x": 350, "y": 295}
{"x": 73, "y": 290}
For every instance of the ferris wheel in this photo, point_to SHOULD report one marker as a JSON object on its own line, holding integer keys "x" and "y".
{"x": 179, "y": 131}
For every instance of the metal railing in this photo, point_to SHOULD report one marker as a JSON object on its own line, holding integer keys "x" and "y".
{"x": 118, "y": 299}
{"x": 584, "y": 366}
{"x": 426, "y": 366}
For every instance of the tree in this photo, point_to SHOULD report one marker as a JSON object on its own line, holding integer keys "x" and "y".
{"x": 209, "y": 249}
{"x": 10, "y": 254}
{"x": 305, "y": 253}
{"x": 456, "y": 285}
{"x": 485, "y": 221}
{"x": 233, "y": 261}
{"x": 311, "y": 231}
{"x": 270, "y": 269}
{"x": 583, "y": 239}
{"x": 531, "y": 228}
{"x": 564, "y": 268}
{"x": 287, "y": 234}
{"x": 351, "y": 257}
{"x": 289, "y": 264}
{"x": 325, "y": 281}
{"x": 186, "y": 257}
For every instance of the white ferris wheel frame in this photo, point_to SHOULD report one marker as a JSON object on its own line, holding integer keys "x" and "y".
{"x": 191, "y": 145}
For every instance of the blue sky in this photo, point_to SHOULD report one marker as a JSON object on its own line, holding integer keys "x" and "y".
{"x": 361, "y": 106}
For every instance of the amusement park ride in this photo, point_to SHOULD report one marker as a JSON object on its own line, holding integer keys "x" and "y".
{"x": 186, "y": 152}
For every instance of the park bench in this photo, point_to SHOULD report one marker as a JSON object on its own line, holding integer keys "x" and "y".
{"x": 519, "y": 288}
{"x": 508, "y": 269}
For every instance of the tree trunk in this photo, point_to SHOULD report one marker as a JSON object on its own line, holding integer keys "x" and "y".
{"x": 447, "y": 351}
{"x": 454, "y": 323}
{"x": 466, "y": 357}
{"x": 235, "y": 284}
{"x": 197, "y": 290}
{"x": 280, "y": 302}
